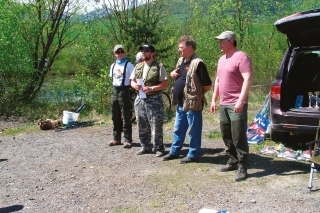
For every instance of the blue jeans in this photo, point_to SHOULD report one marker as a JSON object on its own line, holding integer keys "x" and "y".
{"x": 185, "y": 120}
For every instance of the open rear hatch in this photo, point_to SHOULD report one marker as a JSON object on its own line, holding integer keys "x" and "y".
{"x": 302, "y": 29}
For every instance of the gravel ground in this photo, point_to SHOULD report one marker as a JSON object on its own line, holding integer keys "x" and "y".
{"x": 74, "y": 170}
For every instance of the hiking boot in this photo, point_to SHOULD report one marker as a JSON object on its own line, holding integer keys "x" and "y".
{"x": 143, "y": 151}
{"x": 242, "y": 173}
{"x": 127, "y": 145}
{"x": 170, "y": 156}
{"x": 114, "y": 143}
{"x": 188, "y": 160}
{"x": 228, "y": 167}
{"x": 159, "y": 153}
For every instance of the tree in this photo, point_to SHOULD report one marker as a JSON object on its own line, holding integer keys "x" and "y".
{"x": 128, "y": 23}
{"x": 55, "y": 31}
{"x": 252, "y": 21}
{"x": 15, "y": 56}
{"x": 42, "y": 29}
{"x": 134, "y": 22}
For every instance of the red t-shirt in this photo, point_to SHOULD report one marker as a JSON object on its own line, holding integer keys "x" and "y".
{"x": 230, "y": 79}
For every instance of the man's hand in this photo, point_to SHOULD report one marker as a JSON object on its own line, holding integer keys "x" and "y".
{"x": 213, "y": 107}
{"x": 137, "y": 87}
{"x": 238, "y": 107}
{"x": 147, "y": 89}
{"x": 134, "y": 84}
{"x": 174, "y": 74}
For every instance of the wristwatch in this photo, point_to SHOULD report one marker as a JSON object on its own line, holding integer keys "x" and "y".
{"x": 152, "y": 89}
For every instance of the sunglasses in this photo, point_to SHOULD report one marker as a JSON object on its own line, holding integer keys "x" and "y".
{"x": 120, "y": 51}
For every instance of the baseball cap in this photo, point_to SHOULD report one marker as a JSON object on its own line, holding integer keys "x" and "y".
{"x": 118, "y": 46}
{"x": 227, "y": 35}
{"x": 148, "y": 47}
{"x": 138, "y": 57}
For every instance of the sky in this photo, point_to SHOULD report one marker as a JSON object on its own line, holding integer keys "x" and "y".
{"x": 90, "y": 5}
{"x": 94, "y": 4}
{"x": 86, "y": 5}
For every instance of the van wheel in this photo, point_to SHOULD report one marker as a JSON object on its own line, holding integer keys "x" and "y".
{"x": 278, "y": 136}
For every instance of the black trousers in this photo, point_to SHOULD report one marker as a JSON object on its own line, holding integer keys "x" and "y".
{"x": 121, "y": 113}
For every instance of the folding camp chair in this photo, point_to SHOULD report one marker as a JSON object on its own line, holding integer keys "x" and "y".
{"x": 315, "y": 157}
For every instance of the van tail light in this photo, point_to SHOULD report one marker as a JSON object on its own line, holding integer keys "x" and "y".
{"x": 275, "y": 92}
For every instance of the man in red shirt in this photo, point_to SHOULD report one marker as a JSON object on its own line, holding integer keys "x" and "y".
{"x": 232, "y": 84}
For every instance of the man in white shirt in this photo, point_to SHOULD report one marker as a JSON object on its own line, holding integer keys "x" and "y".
{"x": 120, "y": 72}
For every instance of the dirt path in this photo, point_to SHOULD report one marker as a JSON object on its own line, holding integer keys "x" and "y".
{"x": 75, "y": 171}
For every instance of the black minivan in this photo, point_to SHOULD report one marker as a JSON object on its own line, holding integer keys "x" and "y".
{"x": 295, "y": 94}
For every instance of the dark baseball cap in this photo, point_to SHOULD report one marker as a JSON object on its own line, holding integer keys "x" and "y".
{"x": 148, "y": 47}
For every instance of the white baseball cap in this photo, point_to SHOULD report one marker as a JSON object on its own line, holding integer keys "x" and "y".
{"x": 118, "y": 46}
{"x": 138, "y": 57}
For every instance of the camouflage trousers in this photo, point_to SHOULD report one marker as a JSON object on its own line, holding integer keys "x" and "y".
{"x": 149, "y": 114}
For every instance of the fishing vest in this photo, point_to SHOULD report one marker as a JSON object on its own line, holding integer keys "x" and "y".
{"x": 193, "y": 97}
{"x": 152, "y": 77}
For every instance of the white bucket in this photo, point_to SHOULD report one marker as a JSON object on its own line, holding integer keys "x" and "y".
{"x": 69, "y": 117}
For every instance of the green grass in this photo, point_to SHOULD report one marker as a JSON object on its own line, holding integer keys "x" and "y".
{"x": 214, "y": 134}
{"x": 26, "y": 128}
{"x": 257, "y": 147}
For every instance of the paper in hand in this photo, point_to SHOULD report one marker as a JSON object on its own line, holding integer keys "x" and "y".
{"x": 141, "y": 93}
